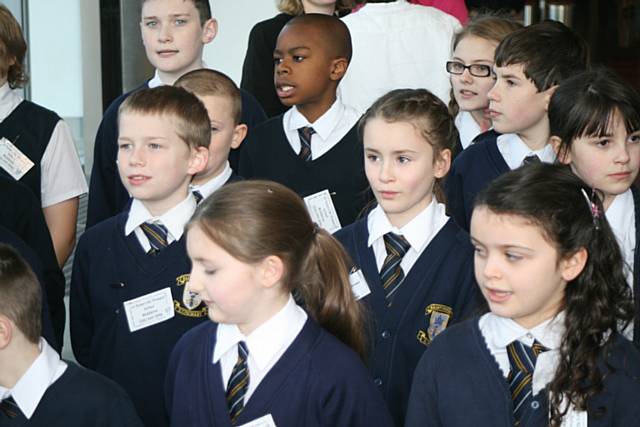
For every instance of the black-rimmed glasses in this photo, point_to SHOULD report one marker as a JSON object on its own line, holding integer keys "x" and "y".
{"x": 476, "y": 70}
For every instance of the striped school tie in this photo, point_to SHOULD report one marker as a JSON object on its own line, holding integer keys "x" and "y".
{"x": 532, "y": 159}
{"x": 197, "y": 195}
{"x": 157, "y": 235}
{"x": 9, "y": 408}
{"x": 238, "y": 383}
{"x": 522, "y": 359}
{"x": 305, "y": 134}
{"x": 391, "y": 274}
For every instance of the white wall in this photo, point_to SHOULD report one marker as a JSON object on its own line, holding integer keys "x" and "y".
{"x": 235, "y": 20}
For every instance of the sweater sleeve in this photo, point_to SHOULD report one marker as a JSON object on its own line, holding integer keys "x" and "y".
{"x": 455, "y": 195}
{"x": 423, "y": 399}
{"x": 81, "y": 323}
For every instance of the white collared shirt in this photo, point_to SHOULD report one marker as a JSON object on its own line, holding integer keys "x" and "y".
{"x": 174, "y": 219}
{"x": 61, "y": 176}
{"x": 214, "y": 183}
{"x": 419, "y": 232}
{"x": 622, "y": 218}
{"x": 329, "y": 129}
{"x": 33, "y": 384}
{"x": 156, "y": 81}
{"x": 468, "y": 128}
{"x": 266, "y": 344}
{"x": 514, "y": 150}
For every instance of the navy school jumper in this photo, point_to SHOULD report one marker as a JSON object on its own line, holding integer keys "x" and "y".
{"x": 440, "y": 285}
{"x": 82, "y": 398}
{"x": 471, "y": 171}
{"x": 107, "y": 195}
{"x": 458, "y": 384}
{"x": 109, "y": 269}
{"x": 318, "y": 381}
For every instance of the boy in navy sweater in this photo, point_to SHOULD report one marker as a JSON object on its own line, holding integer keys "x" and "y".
{"x": 36, "y": 387}
{"x": 313, "y": 146}
{"x": 221, "y": 97}
{"x": 174, "y": 33}
{"x": 128, "y": 303}
{"x": 529, "y": 65}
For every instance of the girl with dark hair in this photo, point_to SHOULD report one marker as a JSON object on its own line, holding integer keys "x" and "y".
{"x": 594, "y": 118}
{"x": 548, "y": 353}
{"x": 253, "y": 246}
{"x": 413, "y": 262}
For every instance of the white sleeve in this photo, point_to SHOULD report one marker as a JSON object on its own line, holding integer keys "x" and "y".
{"x": 61, "y": 176}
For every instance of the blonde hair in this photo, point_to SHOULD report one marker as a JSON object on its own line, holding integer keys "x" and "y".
{"x": 206, "y": 82}
{"x": 252, "y": 220}
{"x": 294, "y": 7}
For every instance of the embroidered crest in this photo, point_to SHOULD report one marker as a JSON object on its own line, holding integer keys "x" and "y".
{"x": 439, "y": 316}
{"x": 190, "y": 306}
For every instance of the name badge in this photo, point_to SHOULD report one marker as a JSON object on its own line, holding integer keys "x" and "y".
{"x": 149, "y": 310}
{"x": 13, "y": 160}
{"x": 266, "y": 421}
{"x": 359, "y": 285}
{"x": 322, "y": 211}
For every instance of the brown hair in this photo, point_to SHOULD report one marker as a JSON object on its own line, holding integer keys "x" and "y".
{"x": 252, "y": 220}
{"x": 488, "y": 27}
{"x": 188, "y": 113}
{"x": 202, "y": 6}
{"x": 426, "y": 112}
{"x": 20, "y": 293}
{"x": 206, "y": 82}
{"x": 12, "y": 47}
{"x": 294, "y": 7}
{"x": 549, "y": 52}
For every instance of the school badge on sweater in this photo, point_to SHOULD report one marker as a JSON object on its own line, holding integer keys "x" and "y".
{"x": 438, "y": 318}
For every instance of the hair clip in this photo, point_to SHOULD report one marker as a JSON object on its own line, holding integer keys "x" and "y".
{"x": 596, "y": 213}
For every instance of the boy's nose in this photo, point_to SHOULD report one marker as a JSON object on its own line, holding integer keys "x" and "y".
{"x": 165, "y": 34}
{"x": 135, "y": 157}
{"x": 493, "y": 94}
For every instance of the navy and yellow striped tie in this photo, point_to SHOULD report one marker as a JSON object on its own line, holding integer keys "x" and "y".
{"x": 305, "y": 134}
{"x": 391, "y": 273}
{"x": 197, "y": 195}
{"x": 157, "y": 235}
{"x": 9, "y": 408}
{"x": 238, "y": 383}
{"x": 522, "y": 359}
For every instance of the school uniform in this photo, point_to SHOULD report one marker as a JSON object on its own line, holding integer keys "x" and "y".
{"x": 336, "y": 164}
{"x": 22, "y": 215}
{"x": 468, "y": 128}
{"x": 439, "y": 288}
{"x": 55, "y": 393}
{"x": 113, "y": 265}
{"x": 462, "y": 378}
{"x": 107, "y": 195}
{"x": 298, "y": 374}
{"x": 491, "y": 155}
{"x": 623, "y": 215}
{"x": 208, "y": 188}
{"x": 46, "y": 140}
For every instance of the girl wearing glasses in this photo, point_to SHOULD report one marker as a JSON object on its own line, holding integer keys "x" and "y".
{"x": 472, "y": 75}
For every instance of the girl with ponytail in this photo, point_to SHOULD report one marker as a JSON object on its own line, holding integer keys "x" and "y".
{"x": 548, "y": 353}
{"x": 255, "y": 252}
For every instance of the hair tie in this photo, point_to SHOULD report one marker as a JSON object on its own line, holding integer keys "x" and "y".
{"x": 596, "y": 213}
{"x": 316, "y": 228}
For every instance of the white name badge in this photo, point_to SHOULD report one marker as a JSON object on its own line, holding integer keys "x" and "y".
{"x": 266, "y": 421}
{"x": 322, "y": 211}
{"x": 359, "y": 285}
{"x": 149, "y": 309}
{"x": 13, "y": 160}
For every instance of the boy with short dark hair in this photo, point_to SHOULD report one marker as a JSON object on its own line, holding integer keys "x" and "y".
{"x": 128, "y": 302}
{"x": 36, "y": 387}
{"x": 174, "y": 33}
{"x": 529, "y": 65}
{"x": 221, "y": 97}
{"x": 313, "y": 148}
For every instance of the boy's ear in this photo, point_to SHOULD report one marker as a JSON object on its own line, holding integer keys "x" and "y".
{"x": 547, "y": 96}
{"x": 442, "y": 163}
{"x": 239, "y": 133}
{"x": 6, "y": 331}
{"x": 564, "y": 157}
{"x": 209, "y": 30}
{"x": 572, "y": 266}
{"x": 271, "y": 270}
{"x": 198, "y": 160}
{"x": 338, "y": 68}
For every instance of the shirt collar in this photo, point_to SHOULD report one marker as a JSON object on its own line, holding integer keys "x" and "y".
{"x": 517, "y": 150}
{"x": 325, "y": 123}
{"x": 548, "y": 333}
{"x": 214, "y": 183}
{"x": 620, "y": 212}
{"x": 418, "y": 231}
{"x": 9, "y": 100}
{"x": 156, "y": 81}
{"x": 30, "y": 388}
{"x": 468, "y": 128}
{"x": 174, "y": 219}
{"x": 265, "y": 341}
